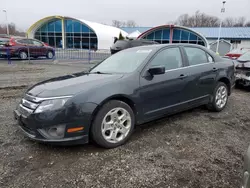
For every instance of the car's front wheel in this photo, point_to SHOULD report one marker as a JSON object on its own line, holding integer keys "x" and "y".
{"x": 113, "y": 124}
{"x": 220, "y": 97}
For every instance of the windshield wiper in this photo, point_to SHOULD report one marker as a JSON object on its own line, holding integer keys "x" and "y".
{"x": 99, "y": 72}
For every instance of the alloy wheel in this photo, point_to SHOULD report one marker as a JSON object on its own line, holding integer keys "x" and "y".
{"x": 221, "y": 97}
{"x": 116, "y": 125}
{"x": 23, "y": 55}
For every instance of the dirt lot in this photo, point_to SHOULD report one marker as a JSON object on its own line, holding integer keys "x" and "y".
{"x": 193, "y": 149}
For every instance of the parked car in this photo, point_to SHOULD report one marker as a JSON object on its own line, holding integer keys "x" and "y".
{"x": 134, "y": 86}
{"x": 243, "y": 70}
{"x": 124, "y": 44}
{"x": 236, "y": 53}
{"x": 246, "y": 170}
{"x": 23, "y": 47}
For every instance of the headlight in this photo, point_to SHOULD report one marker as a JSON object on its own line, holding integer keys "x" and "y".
{"x": 51, "y": 105}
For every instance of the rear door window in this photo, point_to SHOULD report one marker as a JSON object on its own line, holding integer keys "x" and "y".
{"x": 36, "y": 43}
{"x": 23, "y": 41}
{"x": 196, "y": 56}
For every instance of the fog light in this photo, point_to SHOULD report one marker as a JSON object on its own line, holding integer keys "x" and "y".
{"x": 55, "y": 132}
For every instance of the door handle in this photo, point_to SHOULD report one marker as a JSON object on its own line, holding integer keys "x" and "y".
{"x": 182, "y": 76}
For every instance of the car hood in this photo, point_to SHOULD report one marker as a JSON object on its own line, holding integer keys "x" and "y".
{"x": 70, "y": 84}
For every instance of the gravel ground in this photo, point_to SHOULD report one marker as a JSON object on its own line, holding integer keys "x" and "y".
{"x": 192, "y": 149}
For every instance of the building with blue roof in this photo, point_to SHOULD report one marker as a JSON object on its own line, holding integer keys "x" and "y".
{"x": 239, "y": 37}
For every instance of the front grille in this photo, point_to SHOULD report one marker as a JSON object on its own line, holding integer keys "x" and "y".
{"x": 28, "y": 105}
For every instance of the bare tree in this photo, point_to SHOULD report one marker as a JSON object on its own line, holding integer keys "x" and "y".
{"x": 12, "y": 30}
{"x": 240, "y": 22}
{"x": 247, "y": 24}
{"x": 117, "y": 23}
{"x": 131, "y": 23}
{"x": 234, "y": 22}
{"x": 197, "y": 20}
{"x": 183, "y": 20}
{"x": 228, "y": 22}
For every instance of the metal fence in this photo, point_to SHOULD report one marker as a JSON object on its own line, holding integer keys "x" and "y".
{"x": 39, "y": 53}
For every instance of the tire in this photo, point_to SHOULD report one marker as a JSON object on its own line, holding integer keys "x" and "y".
{"x": 50, "y": 55}
{"x": 220, "y": 90}
{"x": 23, "y": 55}
{"x": 121, "y": 130}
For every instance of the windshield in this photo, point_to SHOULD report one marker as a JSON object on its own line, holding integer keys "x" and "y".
{"x": 123, "y": 62}
{"x": 245, "y": 57}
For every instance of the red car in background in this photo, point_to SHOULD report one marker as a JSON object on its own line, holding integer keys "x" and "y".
{"x": 236, "y": 53}
{"x": 23, "y": 48}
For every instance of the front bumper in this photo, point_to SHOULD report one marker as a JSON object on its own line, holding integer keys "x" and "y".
{"x": 31, "y": 125}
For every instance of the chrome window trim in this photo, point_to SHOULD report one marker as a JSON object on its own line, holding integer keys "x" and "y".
{"x": 40, "y": 99}
{"x": 189, "y": 66}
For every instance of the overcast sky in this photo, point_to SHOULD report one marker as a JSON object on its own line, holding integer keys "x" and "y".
{"x": 145, "y": 12}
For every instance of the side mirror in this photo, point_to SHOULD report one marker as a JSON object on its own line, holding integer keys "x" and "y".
{"x": 156, "y": 70}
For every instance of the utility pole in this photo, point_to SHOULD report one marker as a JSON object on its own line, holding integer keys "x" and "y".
{"x": 222, "y": 11}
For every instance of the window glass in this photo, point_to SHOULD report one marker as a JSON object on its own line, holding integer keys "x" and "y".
{"x": 192, "y": 37}
{"x": 23, "y": 41}
{"x": 158, "y": 35}
{"x": 196, "y": 56}
{"x": 166, "y": 33}
{"x": 77, "y": 27}
{"x": 170, "y": 58}
{"x": 36, "y": 43}
{"x": 51, "y": 27}
{"x": 177, "y": 34}
{"x": 85, "y": 29}
{"x": 58, "y": 26}
{"x": 125, "y": 61}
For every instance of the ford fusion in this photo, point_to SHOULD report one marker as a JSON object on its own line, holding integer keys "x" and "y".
{"x": 133, "y": 86}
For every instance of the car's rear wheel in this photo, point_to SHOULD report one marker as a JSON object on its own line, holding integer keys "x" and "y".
{"x": 50, "y": 55}
{"x": 220, "y": 97}
{"x": 23, "y": 55}
{"x": 113, "y": 124}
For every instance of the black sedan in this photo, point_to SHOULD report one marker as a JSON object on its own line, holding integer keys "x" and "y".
{"x": 134, "y": 86}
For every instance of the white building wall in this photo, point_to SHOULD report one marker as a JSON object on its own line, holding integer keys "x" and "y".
{"x": 243, "y": 44}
